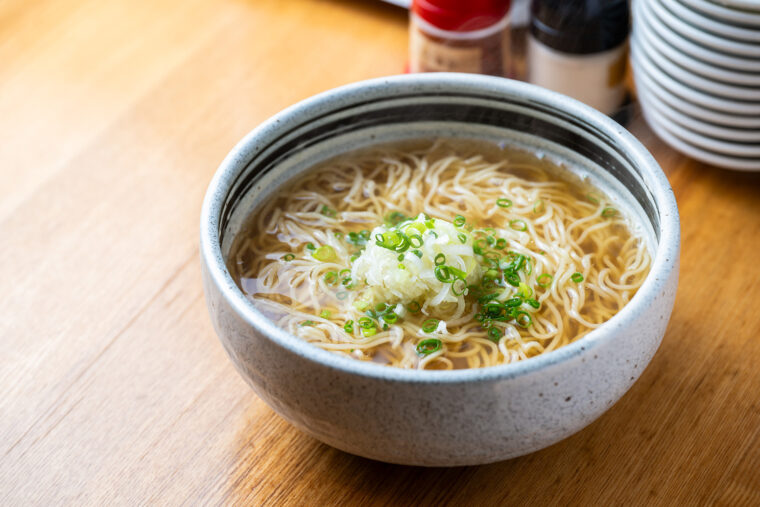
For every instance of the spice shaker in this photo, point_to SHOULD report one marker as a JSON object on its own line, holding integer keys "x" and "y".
{"x": 579, "y": 48}
{"x": 458, "y": 36}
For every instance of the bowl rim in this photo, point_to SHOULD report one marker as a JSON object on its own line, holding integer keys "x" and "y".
{"x": 665, "y": 258}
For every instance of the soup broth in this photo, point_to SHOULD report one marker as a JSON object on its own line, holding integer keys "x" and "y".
{"x": 439, "y": 254}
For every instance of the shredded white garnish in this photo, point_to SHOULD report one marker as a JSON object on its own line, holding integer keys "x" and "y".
{"x": 387, "y": 279}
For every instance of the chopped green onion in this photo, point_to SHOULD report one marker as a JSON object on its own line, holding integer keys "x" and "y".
{"x": 328, "y": 212}
{"x": 401, "y": 266}
{"x": 307, "y": 323}
{"x": 577, "y": 277}
{"x": 501, "y": 243}
{"x": 539, "y": 206}
{"x": 512, "y": 279}
{"x": 360, "y": 305}
{"x": 366, "y": 322}
{"x": 413, "y": 307}
{"x": 325, "y": 253}
{"x": 348, "y": 327}
{"x": 503, "y": 203}
{"x": 372, "y": 331}
{"x": 390, "y": 317}
{"x": 459, "y": 220}
{"x": 513, "y": 302}
{"x": 462, "y": 238}
{"x": 325, "y": 314}
{"x": 288, "y": 257}
{"x": 524, "y": 291}
{"x": 415, "y": 240}
{"x": 439, "y": 259}
{"x": 427, "y": 347}
{"x": 310, "y": 246}
{"x": 381, "y": 307}
{"x": 592, "y": 199}
{"x": 338, "y": 235}
{"x": 417, "y": 253}
{"x": 354, "y": 257}
{"x": 532, "y": 302}
{"x": 494, "y": 333}
{"x": 442, "y": 274}
{"x": 331, "y": 277}
{"x": 435, "y": 234}
{"x": 459, "y": 287}
{"x": 544, "y": 281}
{"x": 430, "y": 223}
{"x": 518, "y": 225}
{"x": 609, "y": 212}
{"x": 523, "y": 319}
{"x": 430, "y": 325}
{"x": 400, "y": 257}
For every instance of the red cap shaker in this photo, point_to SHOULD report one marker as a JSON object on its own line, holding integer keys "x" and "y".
{"x": 459, "y": 36}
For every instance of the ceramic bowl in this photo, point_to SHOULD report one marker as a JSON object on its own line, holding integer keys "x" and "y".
{"x": 440, "y": 418}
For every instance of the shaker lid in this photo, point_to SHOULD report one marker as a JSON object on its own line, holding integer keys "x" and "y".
{"x": 580, "y": 26}
{"x": 461, "y": 16}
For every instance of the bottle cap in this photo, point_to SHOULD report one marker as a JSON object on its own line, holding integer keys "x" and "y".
{"x": 580, "y": 26}
{"x": 459, "y": 15}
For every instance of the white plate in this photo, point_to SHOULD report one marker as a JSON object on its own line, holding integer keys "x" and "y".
{"x": 749, "y": 5}
{"x": 737, "y": 164}
{"x": 737, "y": 17}
{"x": 644, "y": 32}
{"x": 700, "y": 37}
{"x": 716, "y": 27}
{"x": 689, "y": 47}
{"x": 650, "y": 101}
{"x": 710, "y": 86}
{"x": 685, "y": 92}
{"x": 690, "y": 109}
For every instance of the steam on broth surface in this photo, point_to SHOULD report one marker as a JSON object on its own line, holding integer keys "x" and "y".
{"x": 438, "y": 255}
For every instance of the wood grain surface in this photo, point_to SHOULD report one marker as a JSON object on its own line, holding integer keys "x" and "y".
{"x": 113, "y": 387}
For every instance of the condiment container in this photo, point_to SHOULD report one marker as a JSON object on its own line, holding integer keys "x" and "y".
{"x": 579, "y": 48}
{"x": 459, "y": 36}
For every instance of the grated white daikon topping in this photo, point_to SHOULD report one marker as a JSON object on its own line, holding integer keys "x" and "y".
{"x": 382, "y": 277}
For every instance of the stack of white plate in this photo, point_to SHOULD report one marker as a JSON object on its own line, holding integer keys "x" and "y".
{"x": 696, "y": 65}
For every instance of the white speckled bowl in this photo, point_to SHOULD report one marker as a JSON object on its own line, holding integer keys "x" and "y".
{"x": 440, "y": 418}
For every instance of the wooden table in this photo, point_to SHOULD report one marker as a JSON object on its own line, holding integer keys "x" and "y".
{"x": 113, "y": 386}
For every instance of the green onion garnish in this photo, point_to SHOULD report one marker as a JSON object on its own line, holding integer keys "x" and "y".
{"x": 430, "y": 325}
{"x": 442, "y": 274}
{"x": 415, "y": 240}
{"x": 532, "y": 302}
{"x": 430, "y": 223}
{"x": 331, "y": 277}
{"x": 523, "y": 319}
{"x": 417, "y": 253}
{"x": 325, "y": 314}
{"x": 288, "y": 257}
{"x": 501, "y": 243}
{"x": 439, "y": 259}
{"x": 494, "y": 333}
{"x": 459, "y": 287}
{"x": 503, "y": 203}
{"x": 459, "y": 220}
{"x": 518, "y": 225}
{"x": 400, "y": 257}
{"x": 609, "y": 212}
{"x": 524, "y": 291}
{"x": 395, "y": 218}
{"x": 325, "y": 253}
{"x": 544, "y": 281}
{"x": 328, "y": 212}
{"x": 577, "y": 277}
{"x": 462, "y": 238}
{"x": 390, "y": 317}
{"x": 539, "y": 206}
{"x": 307, "y": 323}
{"x": 427, "y": 347}
{"x": 413, "y": 307}
{"x": 310, "y": 246}
{"x": 592, "y": 199}
{"x": 348, "y": 327}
